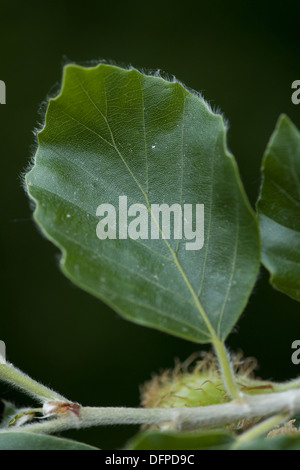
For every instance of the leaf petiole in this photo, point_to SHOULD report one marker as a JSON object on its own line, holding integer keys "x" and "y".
{"x": 226, "y": 368}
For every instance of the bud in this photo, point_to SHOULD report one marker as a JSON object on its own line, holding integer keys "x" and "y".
{"x": 201, "y": 385}
{"x": 60, "y": 408}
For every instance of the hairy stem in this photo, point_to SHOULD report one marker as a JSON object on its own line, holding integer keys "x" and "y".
{"x": 226, "y": 369}
{"x": 248, "y": 407}
{"x": 17, "y": 378}
{"x": 281, "y": 387}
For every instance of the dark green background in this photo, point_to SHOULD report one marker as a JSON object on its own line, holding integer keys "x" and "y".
{"x": 243, "y": 57}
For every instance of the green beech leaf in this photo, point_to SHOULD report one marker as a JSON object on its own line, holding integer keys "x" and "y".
{"x": 208, "y": 440}
{"x": 31, "y": 441}
{"x": 279, "y": 208}
{"x": 113, "y": 132}
{"x": 285, "y": 442}
{"x": 173, "y": 440}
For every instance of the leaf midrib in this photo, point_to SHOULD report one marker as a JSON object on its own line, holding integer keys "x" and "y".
{"x": 196, "y": 302}
{"x": 145, "y": 195}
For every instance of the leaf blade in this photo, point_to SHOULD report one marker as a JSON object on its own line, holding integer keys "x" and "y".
{"x": 30, "y": 441}
{"x": 279, "y": 208}
{"x": 173, "y": 440}
{"x": 152, "y": 161}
